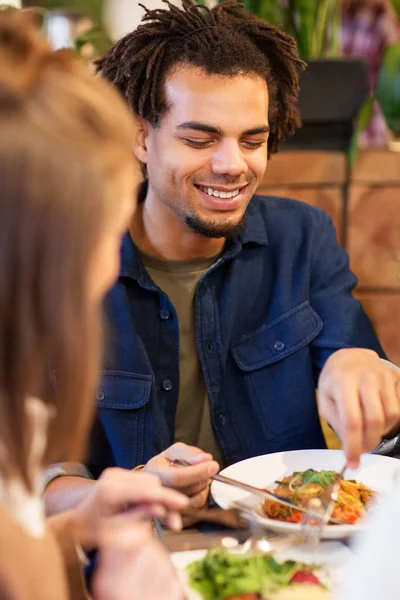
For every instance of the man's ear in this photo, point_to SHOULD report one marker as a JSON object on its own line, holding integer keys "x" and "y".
{"x": 140, "y": 141}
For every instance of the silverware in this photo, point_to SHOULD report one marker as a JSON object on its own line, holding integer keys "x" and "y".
{"x": 260, "y": 492}
{"x": 260, "y": 543}
{"x": 329, "y": 496}
{"x": 263, "y": 541}
{"x": 312, "y": 525}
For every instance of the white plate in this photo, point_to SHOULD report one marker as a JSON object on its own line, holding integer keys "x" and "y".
{"x": 377, "y": 472}
{"x": 332, "y": 556}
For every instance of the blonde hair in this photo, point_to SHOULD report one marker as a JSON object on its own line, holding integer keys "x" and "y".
{"x": 65, "y": 155}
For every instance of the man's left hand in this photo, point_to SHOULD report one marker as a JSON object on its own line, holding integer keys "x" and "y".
{"x": 359, "y": 396}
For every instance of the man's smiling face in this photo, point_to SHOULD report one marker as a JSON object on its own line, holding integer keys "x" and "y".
{"x": 209, "y": 153}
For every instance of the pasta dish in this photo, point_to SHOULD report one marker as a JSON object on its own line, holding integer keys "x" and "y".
{"x": 353, "y": 499}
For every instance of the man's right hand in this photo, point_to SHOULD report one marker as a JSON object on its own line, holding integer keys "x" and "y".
{"x": 194, "y": 480}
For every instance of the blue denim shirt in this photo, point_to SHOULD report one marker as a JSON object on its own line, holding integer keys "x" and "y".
{"x": 268, "y": 314}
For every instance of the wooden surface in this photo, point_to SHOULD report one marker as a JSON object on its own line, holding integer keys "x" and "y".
{"x": 381, "y": 167}
{"x": 306, "y": 168}
{"x": 384, "y": 311}
{"x": 374, "y": 235}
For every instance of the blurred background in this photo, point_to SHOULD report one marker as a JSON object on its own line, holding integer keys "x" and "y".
{"x": 345, "y": 159}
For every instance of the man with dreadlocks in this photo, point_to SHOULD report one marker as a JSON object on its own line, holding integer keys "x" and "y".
{"x": 230, "y": 308}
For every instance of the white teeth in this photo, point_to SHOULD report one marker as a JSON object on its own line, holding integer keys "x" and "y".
{"x": 219, "y": 193}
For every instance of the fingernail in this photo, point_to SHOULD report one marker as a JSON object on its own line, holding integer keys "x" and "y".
{"x": 213, "y": 469}
{"x": 175, "y": 522}
{"x": 182, "y": 500}
{"x": 203, "y": 456}
{"x": 159, "y": 512}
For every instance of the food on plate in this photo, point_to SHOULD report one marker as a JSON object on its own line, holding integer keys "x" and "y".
{"x": 221, "y": 575}
{"x": 301, "y": 592}
{"x": 353, "y": 499}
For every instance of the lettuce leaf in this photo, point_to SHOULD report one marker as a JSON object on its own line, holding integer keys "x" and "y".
{"x": 324, "y": 478}
{"x": 221, "y": 574}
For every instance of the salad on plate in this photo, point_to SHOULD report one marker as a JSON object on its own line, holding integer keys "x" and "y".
{"x": 222, "y": 575}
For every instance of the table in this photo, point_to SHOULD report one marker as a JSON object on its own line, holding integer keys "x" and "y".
{"x": 200, "y": 537}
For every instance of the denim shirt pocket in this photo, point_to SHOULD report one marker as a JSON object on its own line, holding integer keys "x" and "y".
{"x": 122, "y": 400}
{"x": 281, "y": 391}
{"x": 278, "y": 339}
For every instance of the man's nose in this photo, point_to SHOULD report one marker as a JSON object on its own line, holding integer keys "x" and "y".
{"x": 228, "y": 159}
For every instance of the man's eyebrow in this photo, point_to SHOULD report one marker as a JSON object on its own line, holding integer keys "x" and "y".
{"x": 197, "y": 126}
{"x": 203, "y": 127}
{"x": 257, "y": 130}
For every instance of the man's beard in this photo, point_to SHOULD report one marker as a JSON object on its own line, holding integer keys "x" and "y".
{"x": 214, "y": 229}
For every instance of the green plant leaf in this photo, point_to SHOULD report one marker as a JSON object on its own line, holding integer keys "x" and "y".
{"x": 388, "y": 87}
{"x": 314, "y": 23}
{"x": 96, "y": 37}
{"x": 93, "y": 8}
{"x": 361, "y": 123}
{"x": 335, "y": 49}
{"x": 326, "y": 29}
{"x": 303, "y": 18}
{"x": 320, "y": 29}
{"x": 396, "y": 6}
{"x": 272, "y": 11}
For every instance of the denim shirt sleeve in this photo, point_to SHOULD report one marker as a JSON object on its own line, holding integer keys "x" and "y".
{"x": 332, "y": 283}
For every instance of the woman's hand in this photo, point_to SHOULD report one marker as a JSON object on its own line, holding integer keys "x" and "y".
{"x": 132, "y": 565}
{"x": 138, "y": 496}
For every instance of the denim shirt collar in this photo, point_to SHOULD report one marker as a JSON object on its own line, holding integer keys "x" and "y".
{"x": 254, "y": 232}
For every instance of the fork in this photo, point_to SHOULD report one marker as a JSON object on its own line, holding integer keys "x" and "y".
{"x": 263, "y": 541}
{"x": 330, "y": 494}
{"x": 313, "y": 521}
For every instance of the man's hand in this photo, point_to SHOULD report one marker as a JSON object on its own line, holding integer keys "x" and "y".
{"x": 358, "y": 395}
{"x": 194, "y": 481}
{"x": 132, "y": 565}
{"x": 139, "y": 496}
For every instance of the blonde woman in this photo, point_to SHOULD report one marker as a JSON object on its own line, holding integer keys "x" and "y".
{"x": 67, "y": 189}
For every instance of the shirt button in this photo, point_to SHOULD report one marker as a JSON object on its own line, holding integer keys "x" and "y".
{"x": 222, "y": 419}
{"x": 279, "y": 346}
{"x": 209, "y": 347}
{"x": 164, "y": 314}
{"x": 100, "y": 394}
{"x": 167, "y": 385}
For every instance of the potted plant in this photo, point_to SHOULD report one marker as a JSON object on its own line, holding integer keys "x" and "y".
{"x": 386, "y": 94}
{"x": 332, "y": 89}
{"x": 82, "y": 24}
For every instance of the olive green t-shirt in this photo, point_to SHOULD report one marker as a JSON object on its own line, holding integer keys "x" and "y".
{"x": 179, "y": 279}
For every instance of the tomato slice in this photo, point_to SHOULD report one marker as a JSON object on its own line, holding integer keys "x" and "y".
{"x": 304, "y": 576}
{"x": 295, "y": 517}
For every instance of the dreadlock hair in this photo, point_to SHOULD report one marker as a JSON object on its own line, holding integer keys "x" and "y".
{"x": 224, "y": 40}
